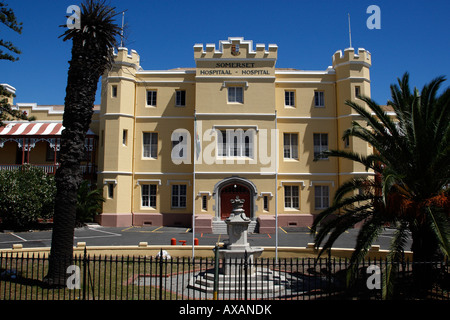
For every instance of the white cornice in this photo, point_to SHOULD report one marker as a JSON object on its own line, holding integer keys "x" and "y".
{"x": 166, "y": 72}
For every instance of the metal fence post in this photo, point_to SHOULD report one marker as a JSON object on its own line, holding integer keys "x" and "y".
{"x": 245, "y": 275}
{"x": 216, "y": 270}
{"x": 160, "y": 273}
{"x": 85, "y": 283}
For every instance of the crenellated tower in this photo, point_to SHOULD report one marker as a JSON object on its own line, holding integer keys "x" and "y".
{"x": 352, "y": 81}
{"x": 117, "y": 136}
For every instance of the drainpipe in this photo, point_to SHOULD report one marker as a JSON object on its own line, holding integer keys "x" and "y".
{"x": 276, "y": 186}
{"x": 337, "y": 135}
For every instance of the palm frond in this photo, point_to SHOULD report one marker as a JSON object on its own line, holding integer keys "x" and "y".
{"x": 372, "y": 121}
{"x": 98, "y": 31}
{"x": 396, "y": 250}
{"x": 325, "y": 219}
{"x": 367, "y": 161}
{"x": 336, "y": 227}
{"x": 439, "y": 223}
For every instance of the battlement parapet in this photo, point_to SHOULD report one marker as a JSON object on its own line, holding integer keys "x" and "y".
{"x": 126, "y": 58}
{"x": 361, "y": 56}
{"x": 235, "y": 48}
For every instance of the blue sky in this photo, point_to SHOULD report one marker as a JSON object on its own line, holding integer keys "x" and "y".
{"x": 414, "y": 37}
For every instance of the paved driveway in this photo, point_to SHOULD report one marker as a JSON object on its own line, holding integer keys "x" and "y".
{"x": 95, "y": 235}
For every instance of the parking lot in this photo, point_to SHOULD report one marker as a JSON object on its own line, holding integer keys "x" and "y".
{"x": 95, "y": 235}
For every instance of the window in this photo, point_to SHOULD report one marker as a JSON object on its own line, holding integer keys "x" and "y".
{"x": 180, "y": 98}
{"x": 320, "y": 144}
{"x": 179, "y": 196}
{"x": 204, "y": 203}
{"x": 114, "y": 91}
{"x": 235, "y": 143}
{"x": 357, "y": 91}
{"x": 124, "y": 137}
{"x": 149, "y": 195}
{"x": 319, "y": 100}
{"x": 289, "y": 98}
{"x": 150, "y": 145}
{"x": 291, "y": 197}
{"x": 151, "y": 98}
{"x": 266, "y": 203}
{"x": 321, "y": 197}
{"x": 110, "y": 190}
{"x": 235, "y": 94}
{"x": 290, "y": 146}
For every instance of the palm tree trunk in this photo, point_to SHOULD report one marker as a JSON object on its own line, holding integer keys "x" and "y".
{"x": 78, "y": 110}
{"x": 91, "y": 55}
{"x": 61, "y": 253}
{"x": 425, "y": 251}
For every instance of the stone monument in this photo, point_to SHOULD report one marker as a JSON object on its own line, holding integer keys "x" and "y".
{"x": 237, "y": 248}
{"x": 238, "y": 261}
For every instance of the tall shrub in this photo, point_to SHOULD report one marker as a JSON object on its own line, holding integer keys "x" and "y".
{"x": 26, "y": 195}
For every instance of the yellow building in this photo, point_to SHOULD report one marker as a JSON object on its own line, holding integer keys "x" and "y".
{"x": 258, "y": 130}
{"x": 173, "y": 140}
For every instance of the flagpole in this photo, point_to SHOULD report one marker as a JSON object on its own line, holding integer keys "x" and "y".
{"x": 349, "y": 31}
{"x": 121, "y": 31}
{"x": 193, "y": 186}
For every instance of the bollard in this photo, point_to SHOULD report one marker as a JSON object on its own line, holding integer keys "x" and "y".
{"x": 173, "y": 242}
{"x": 183, "y": 242}
{"x": 195, "y": 241}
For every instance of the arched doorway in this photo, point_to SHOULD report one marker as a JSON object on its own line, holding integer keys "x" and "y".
{"x": 225, "y": 190}
{"x": 229, "y": 192}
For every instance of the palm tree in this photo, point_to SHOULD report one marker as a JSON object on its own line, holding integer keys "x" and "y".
{"x": 411, "y": 187}
{"x": 91, "y": 55}
{"x": 89, "y": 202}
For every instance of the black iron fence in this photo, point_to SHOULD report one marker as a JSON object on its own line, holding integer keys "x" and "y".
{"x": 154, "y": 278}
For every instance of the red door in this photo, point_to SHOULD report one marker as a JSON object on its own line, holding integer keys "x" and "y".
{"x": 230, "y": 192}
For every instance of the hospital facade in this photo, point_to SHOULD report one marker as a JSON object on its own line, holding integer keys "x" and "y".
{"x": 166, "y": 143}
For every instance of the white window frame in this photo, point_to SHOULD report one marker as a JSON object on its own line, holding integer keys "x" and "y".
{"x": 180, "y": 98}
{"x": 152, "y": 99}
{"x": 178, "y": 196}
{"x": 289, "y": 98}
{"x": 148, "y": 195}
{"x": 240, "y": 147}
{"x": 150, "y": 149}
{"x": 319, "y": 99}
{"x": 321, "y": 197}
{"x": 235, "y": 94}
{"x": 290, "y": 147}
{"x": 319, "y": 145}
{"x": 290, "y": 197}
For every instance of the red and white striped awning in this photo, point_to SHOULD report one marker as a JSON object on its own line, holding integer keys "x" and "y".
{"x": 31, "y": 129}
